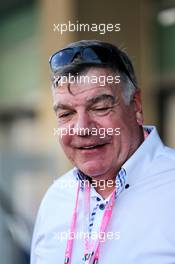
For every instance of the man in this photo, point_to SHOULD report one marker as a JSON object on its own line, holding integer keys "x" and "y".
{"x": 117, "y": 204}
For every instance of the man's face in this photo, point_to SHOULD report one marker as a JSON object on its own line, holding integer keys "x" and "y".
{"x": 86, "y": 113}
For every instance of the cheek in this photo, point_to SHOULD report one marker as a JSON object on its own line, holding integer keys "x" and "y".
{"x": 109, "y": 121}
{"x": 120, "y": 141}
{"x": 123, "y": 120}
{"x": 112, "y": 123}
{"x": 64, "y": 141}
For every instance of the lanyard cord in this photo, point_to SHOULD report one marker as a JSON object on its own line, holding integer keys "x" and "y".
{"x": 86, "y": 220}
{"x": 90, "y": 256}
{"x": 105, "y": 221}
{"x": 69, "y": 245}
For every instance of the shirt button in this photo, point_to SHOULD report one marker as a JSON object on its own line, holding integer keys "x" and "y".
{"x": 127, "y": 186}
{"x": 102, "y": 206}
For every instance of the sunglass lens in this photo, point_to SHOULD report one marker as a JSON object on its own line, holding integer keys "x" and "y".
{"x": 89, "y": 54}
{"x": 102, "y": 54}
{"x": 61, "y": 58}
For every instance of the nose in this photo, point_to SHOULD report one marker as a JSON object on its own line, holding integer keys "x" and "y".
{"x": 83, "y": 125}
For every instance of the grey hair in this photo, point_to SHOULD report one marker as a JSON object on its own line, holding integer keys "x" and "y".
{"x": 128, "y": 89}
{"x": 117, "y": 63}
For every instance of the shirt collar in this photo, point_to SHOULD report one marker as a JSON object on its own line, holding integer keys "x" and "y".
{"x": 142, "y": 158}
{"x": 120, "y": 181}
{"x": 134, "y": 166}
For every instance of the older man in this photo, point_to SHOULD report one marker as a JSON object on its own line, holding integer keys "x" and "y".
{"x": 117, "y": 204}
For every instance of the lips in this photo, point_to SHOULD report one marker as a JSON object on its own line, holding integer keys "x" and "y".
{"x": 91, "y": 146}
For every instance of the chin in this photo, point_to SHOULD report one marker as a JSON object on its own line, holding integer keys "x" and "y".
{"x": 92, "y": 169}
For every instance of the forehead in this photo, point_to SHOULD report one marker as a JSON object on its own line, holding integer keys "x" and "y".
{"x": 86, "y": 88}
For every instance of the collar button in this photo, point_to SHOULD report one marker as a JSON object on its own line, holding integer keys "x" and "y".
{"x": 102, "y": 206}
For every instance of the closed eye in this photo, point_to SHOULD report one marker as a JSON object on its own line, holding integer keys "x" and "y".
{"x": 102, "y": 109}
{"x": 63, "y": 115}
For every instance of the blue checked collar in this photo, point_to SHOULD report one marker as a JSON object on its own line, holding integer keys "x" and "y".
{"x": 120, "y": 179}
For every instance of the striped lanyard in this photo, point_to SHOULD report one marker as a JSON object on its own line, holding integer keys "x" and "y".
{"x": 92, "y": 250}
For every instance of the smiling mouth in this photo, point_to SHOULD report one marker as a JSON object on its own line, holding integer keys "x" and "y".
{"x": 92, "y": 147}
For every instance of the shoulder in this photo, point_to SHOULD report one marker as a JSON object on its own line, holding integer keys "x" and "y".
{"x": 59, "y": 198}
{"x": 167, "y": 157}
{"x": 62, "y": 189}
{"x": 164, "y": 164}
{"x": 161, "y": 156}
{"x": 169, "y": 153}
{"x": 55, "y": 211}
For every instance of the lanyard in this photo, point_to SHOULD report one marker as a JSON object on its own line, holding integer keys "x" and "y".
{"x": 91, "y": 253}
{"x": 69, "y": 246}
{"x": 105, "y": 221}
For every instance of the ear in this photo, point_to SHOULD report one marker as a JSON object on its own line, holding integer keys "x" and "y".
{"x": 138, "y": 107}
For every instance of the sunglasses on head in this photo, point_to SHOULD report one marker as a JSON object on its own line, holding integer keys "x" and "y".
{"x": 89, "y": 54}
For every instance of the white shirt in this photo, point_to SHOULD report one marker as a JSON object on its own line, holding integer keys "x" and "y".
{"x": 143, "y": 218}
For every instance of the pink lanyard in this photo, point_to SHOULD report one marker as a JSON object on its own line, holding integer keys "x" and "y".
{"x": 105, "y": 221}
{"x": 69, "y": 246}
{"x": 91, "y": 254}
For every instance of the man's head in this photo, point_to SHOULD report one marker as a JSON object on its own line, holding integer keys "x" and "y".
{"x": 103, "y": 122}
{"x": 79, "y": 56}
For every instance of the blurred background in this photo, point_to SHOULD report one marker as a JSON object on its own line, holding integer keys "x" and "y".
{"x": 30, "y": 156}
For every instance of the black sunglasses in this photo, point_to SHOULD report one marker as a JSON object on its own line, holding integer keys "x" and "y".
{"x": 92, "y": 54}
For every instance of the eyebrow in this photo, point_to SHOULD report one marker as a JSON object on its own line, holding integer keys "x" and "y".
{"x": 102, "y": 97}
{"x": 57, "y": 106}
{"x": 91, "y": 101}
